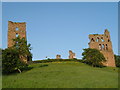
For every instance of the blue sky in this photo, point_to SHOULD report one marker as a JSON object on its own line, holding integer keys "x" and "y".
{"x": 55, "y": 28}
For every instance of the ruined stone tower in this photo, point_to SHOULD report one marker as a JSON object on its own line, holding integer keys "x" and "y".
{"x": 15, "y": 29}
{"x": 58, "y": 56}
{"x": 103, "y": 43}
{"x": 71, "y": 55}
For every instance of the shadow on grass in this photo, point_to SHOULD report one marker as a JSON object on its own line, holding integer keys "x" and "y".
{"x": 17, "y": 72}
{"x": 27, "y": 68}
{"x": 44, "y": 65}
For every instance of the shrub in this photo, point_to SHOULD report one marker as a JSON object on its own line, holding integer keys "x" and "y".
{"x": 22, "y": 47}
{"x": 93, "y": 57}
{"x": 117, "y": 60}
{"x": 56, "y": 60}
{"x": 11, "y": 61}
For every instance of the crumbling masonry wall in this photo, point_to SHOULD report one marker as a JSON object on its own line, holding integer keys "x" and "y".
{"x": 103, "y": 43}
{"x": 58, "y": 56}
{"x": 71, "y": 55}
{"x": 16, "y": 29}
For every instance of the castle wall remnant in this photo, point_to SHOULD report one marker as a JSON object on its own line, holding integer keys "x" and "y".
{"x": 71, "y": 55}
{"x": 58, "y": 56}
{"x": 103, "y": 43}
{"x": 16, "y": 29}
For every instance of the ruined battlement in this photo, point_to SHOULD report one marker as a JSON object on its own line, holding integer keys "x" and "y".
{"x": 16, "y": 22}
{"x": 71, "y": 55}
{"x": 58, "y": 56}
{"x": 103, "y": 43}
{"x": 100, "y": 37}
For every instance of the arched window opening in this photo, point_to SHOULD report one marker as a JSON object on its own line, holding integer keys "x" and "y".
{"x": 103, "y": 47}
{"x": 102, "y": 39}
{"x": 100, "y": 47}
{"x": 97, "y": 40}
{"x": 92, "y": 40}
{"x": 16, "y": 28}
{"x": 106, "y": 47}
{"x": 108, "y": 40}
{"x": 17, "y": 35}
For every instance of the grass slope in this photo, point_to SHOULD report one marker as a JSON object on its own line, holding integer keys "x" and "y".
{"x": 63, "y": 75}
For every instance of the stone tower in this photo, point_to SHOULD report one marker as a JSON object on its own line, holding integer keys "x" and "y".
{"x": 103, "y": 43}
{"x": 71, "y": 55}
{"x": 15, "y": 29}
{"x": 58, "y": 56}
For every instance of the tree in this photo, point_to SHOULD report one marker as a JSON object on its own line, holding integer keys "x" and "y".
{"x": 117, "y": 60}
{"x": 23, "y": 48}
{"x": 11, "y": 60}
{"x": 93, "y": 57}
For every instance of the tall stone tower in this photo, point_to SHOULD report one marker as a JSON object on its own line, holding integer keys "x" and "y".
{"x": 103, "y": 43}
{"x": 15, "y": 29}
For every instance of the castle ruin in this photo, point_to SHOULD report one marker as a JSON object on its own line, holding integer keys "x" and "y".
{"x": 16, "y": 29}
{"x": 103, "y": 43}
{"x": 58, "y": 56}
{"x": 71, "y": 55}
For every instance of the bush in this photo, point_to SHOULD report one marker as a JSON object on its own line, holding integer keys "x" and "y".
{"x": 11, "y": 61}
{"x": 22, "y": 47}
{"x": 93, "y": 57}
{"x": 11, "y": 57}
{"x": 117, "y": 60}
{"x": 55, "y": 60}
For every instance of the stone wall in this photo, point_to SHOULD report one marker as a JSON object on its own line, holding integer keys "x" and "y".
{"x": 71, "y": 55}
{"x": 16, "y": 29}
{"x": 103, "y": 43}
{"x": 58, "y": 56}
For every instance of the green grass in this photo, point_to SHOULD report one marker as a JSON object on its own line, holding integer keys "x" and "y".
{"x": 68, "y": 74}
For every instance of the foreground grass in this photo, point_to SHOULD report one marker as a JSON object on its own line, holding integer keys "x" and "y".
{"x": 63, "y": 75}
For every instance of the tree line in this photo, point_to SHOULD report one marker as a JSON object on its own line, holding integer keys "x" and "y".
{"x": 11, "y": 61}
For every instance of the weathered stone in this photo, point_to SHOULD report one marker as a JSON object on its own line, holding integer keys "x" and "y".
{"x": 58, "y": 56}
{"x": 103, "y": 43}
{"x": 16, "y": 29}
{"x": 71, "y": 55}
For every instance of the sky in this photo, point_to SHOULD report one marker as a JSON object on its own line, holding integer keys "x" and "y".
{"x": 57, "y": 27}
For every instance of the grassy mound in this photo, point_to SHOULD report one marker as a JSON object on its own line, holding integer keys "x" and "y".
{"x": 68, "y": 74}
